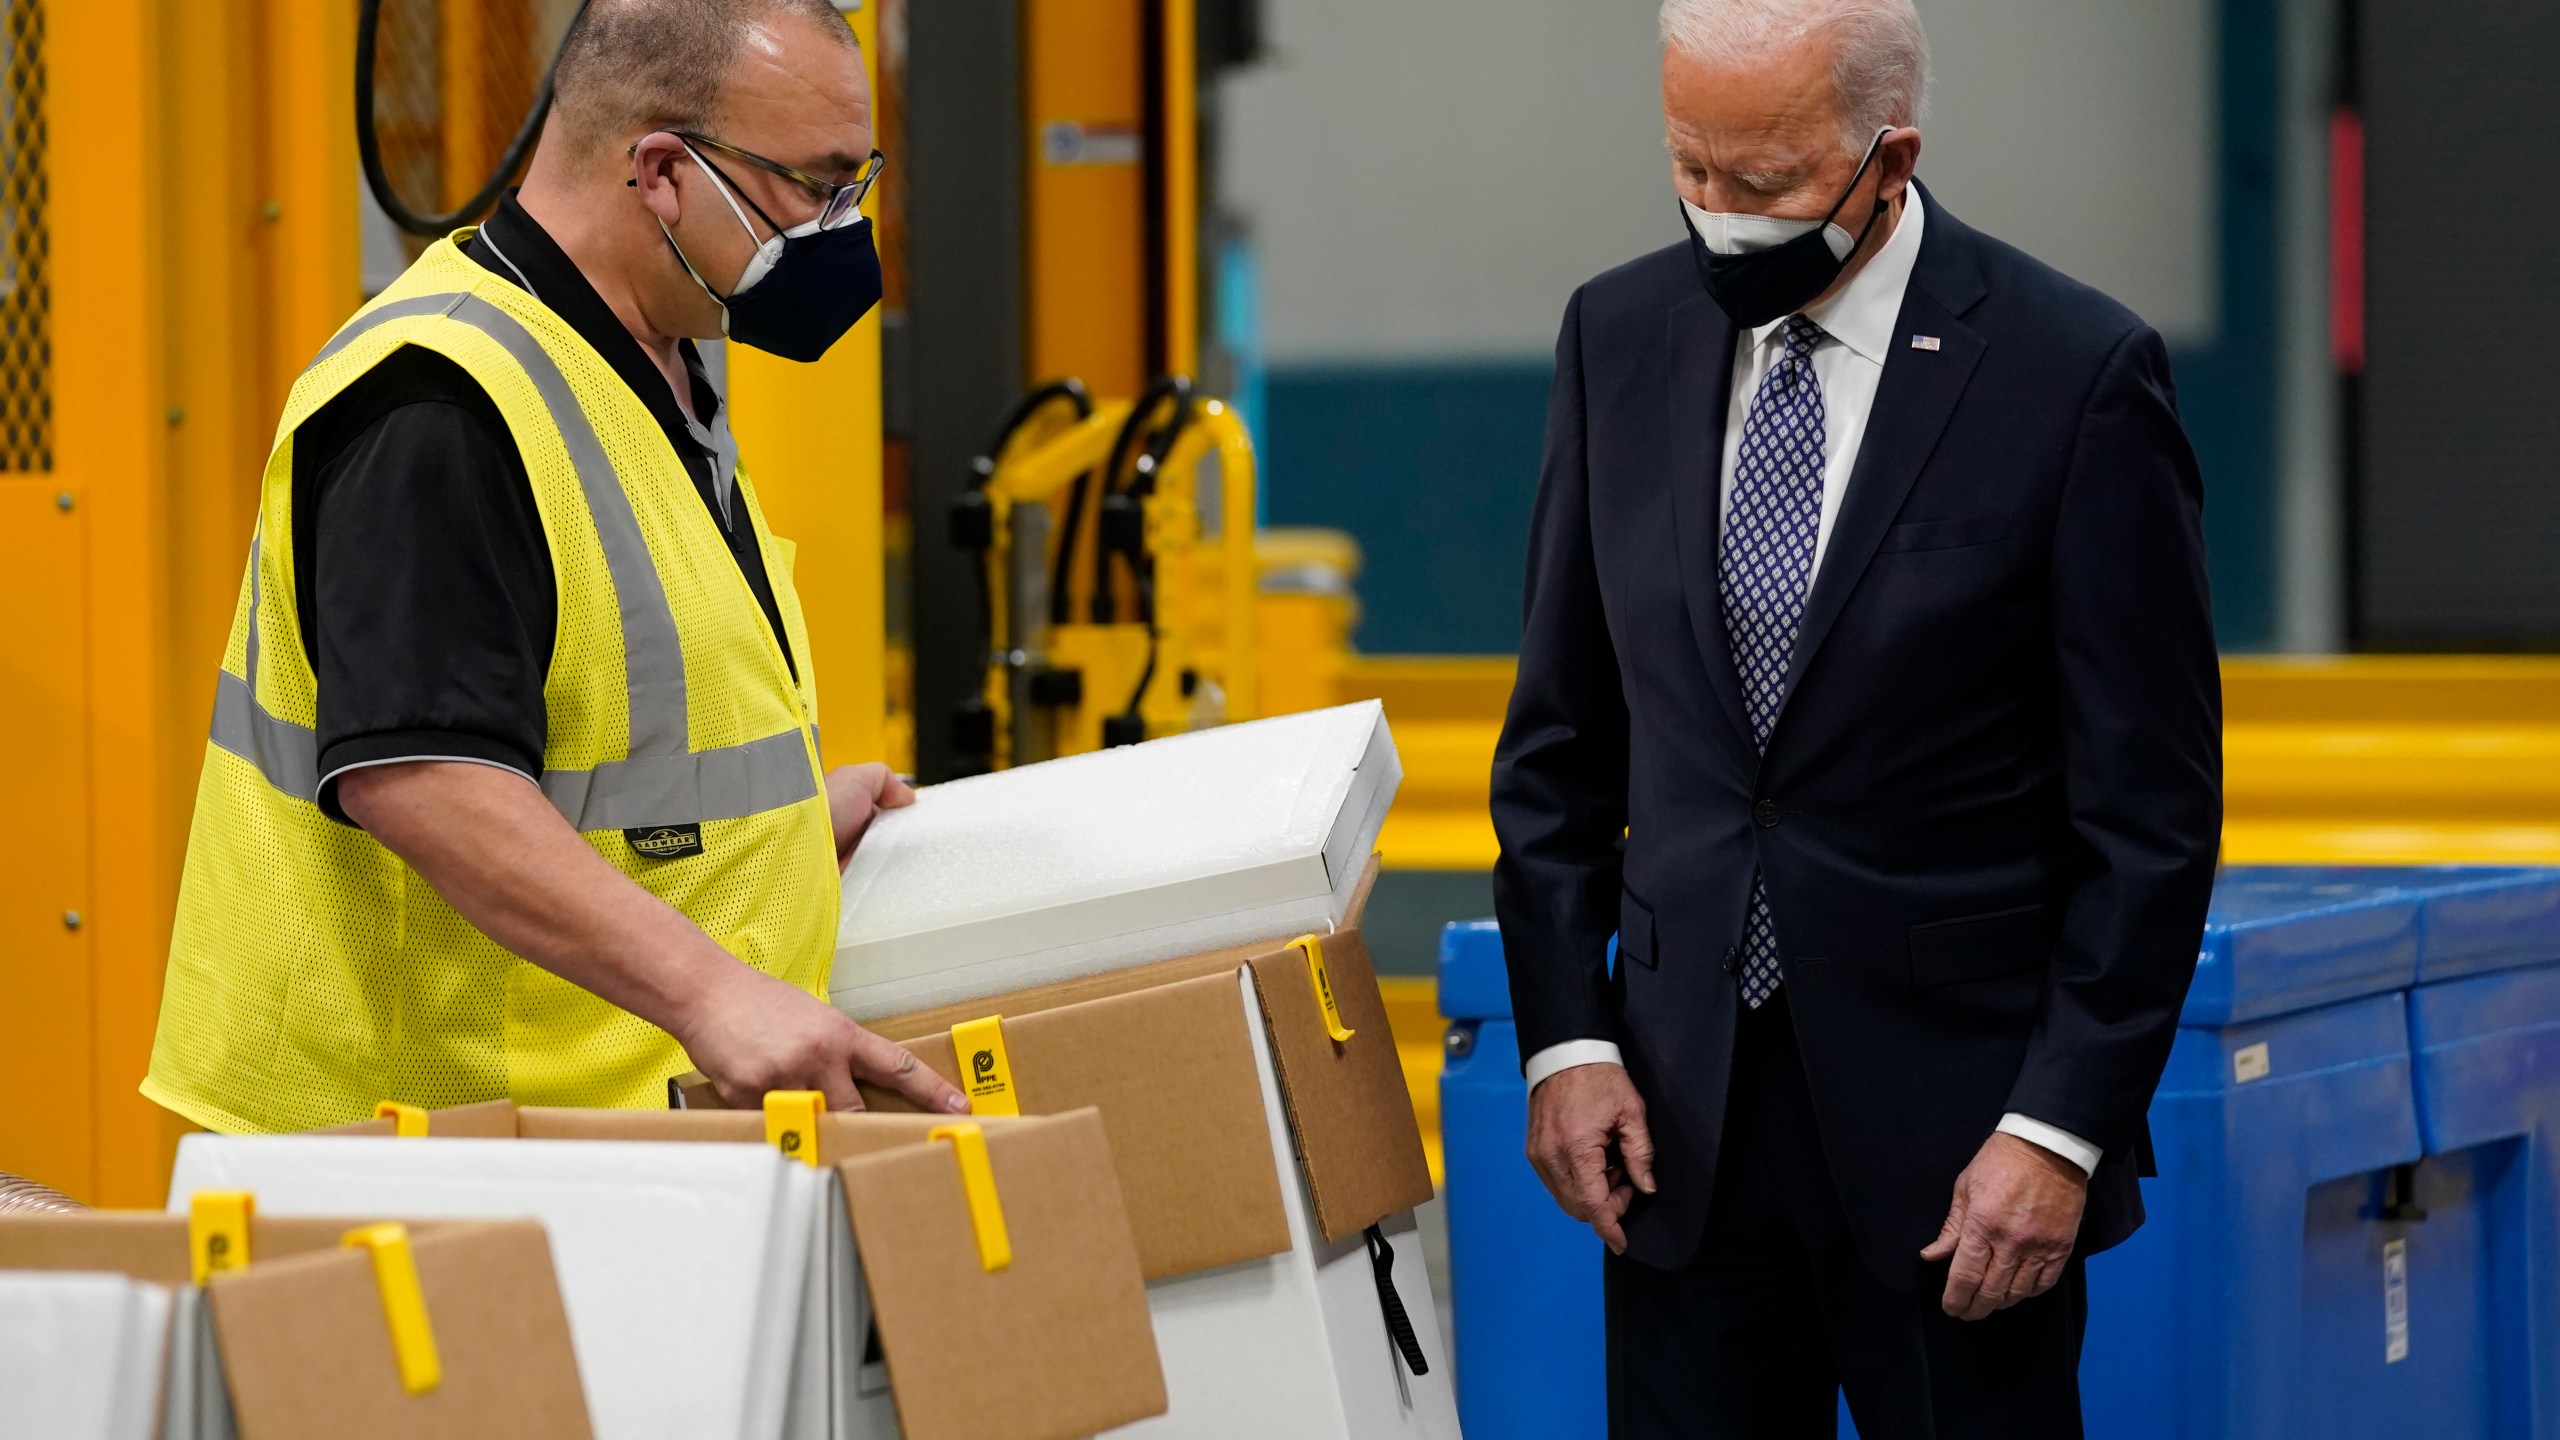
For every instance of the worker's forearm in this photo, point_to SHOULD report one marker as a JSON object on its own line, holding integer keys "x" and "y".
{"x": 497, "y": 852}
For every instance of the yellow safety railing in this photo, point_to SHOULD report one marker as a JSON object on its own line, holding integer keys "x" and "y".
{"x": 1205, "y": 586}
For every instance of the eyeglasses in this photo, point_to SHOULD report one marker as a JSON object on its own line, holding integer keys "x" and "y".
{"x": 838, "y": 201}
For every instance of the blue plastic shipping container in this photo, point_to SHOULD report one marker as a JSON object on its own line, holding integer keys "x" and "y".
{"x": 2488, "y": 1195}
{"x": 2282, "y": 940}
{"x": 1524, "y": 1278}
{"x": 2472, "y": 919}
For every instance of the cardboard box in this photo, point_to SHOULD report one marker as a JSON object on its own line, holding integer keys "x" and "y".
{"x": 1055, "y": 1346}
{"x": 303, "y": 1345}
{"x": 308, "y": 1354}
{"x": 1261, "y": 1160}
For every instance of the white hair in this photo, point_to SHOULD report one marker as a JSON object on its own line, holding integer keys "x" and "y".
{"x": 1881, "y": 68}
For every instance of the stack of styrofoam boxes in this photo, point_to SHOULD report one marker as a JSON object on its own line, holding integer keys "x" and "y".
{"x": 1129, "y": 916}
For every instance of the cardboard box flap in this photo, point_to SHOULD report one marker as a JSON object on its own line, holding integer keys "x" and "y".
{"x": 1171, "y": 1069}
{"x": 1347, "y": 1103}
{"x": 1059, "y": 1344}
{"x": 840, "y": 1134}
{"x": 150, "y": 1245}
{"x": 484, "y": 1120}
{"x": 308, "y": 1353}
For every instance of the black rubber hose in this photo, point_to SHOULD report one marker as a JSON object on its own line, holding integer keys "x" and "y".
{"x": 1176, "y": 388}
{"x": 369, "y": 143}
{"x": 983, "y": 469}
{"x": 1142, "y": 570}
{"x": 1070, "y": 390}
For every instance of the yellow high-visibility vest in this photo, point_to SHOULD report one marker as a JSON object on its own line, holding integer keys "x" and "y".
{"x": 311, "y": 972}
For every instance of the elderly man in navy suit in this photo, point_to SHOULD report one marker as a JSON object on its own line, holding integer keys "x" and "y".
{"x": 1868, "y": 697}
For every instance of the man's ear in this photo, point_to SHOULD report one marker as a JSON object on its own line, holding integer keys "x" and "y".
{"x": 1900, "y": 158}
{"x": 653, "y": 167}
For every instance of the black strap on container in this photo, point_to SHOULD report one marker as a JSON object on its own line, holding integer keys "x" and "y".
{"x": 1382, "y": 1261}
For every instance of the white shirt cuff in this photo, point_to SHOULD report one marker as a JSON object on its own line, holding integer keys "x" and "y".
{"x": 2060, "y": 1141}
{"x": 1568, "y": 1055}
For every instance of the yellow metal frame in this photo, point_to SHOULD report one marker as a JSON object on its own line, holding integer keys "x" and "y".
{"x": 1209, "y": 631}
{"x": 812, "y": 435}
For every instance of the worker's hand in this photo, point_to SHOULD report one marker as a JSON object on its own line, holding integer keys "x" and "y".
{"x": 856, "y": 794}
{"x": 758, "y": 1034}
{"x": 2015, "y": 1218}
{"x": 1575, "y": 1116}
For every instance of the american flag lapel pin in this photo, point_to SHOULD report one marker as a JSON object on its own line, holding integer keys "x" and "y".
{"x": 1924, "y": 342}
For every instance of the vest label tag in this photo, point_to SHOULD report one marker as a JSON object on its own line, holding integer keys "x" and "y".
{"x": 666, "y": 842}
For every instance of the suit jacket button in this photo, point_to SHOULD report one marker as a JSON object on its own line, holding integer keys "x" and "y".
{"x": 1766, "y": 812}
{"x": 1732, "y": 959}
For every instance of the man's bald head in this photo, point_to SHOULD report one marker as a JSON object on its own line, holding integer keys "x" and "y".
{"x": 629, "y": 67}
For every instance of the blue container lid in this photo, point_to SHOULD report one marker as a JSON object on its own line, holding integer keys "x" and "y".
{"x": 2472, "y": 919}
{"x": 2279, "y": 940}
{"x": 1474, "y": 985}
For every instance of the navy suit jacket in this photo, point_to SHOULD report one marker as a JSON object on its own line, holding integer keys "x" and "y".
{"x": 1989, "y": 812}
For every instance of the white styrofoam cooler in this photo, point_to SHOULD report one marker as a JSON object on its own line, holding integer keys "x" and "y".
{"x": 81, "y": 1355}
{"x": 1117, "y": 858}
{"x": 1295, "y": 1346}
{"x": 696, "y": 1277}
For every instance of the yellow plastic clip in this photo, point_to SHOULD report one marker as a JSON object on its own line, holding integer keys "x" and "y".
{"x": 409, "y": 1122}
{"x": 990, "y": 1078}
{"x": 791, "y": 1122}
{"x": 218, "y": 1232}
{"x": 404, "y": 1304}
{"x": 978, "y": 1182}
{"x": 1333, "y": 1025}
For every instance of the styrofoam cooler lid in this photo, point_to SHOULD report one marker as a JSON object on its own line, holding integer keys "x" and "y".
{"x": 2282, "y": 939}
{"x": 1120, "y": 857}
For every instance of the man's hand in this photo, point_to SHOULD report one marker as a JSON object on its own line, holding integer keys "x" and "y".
{"x": 2015, "y": 1218}
{"x": 856, "y": 794}
{"x": 754, "y": 1033}
{"x": 1574, "y": 1117}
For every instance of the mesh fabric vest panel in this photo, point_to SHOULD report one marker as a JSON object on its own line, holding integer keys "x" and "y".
{"x": 311, "y": 972}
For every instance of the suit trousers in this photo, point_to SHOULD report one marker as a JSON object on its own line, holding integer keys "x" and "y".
{"x": 1778, "y": 1313}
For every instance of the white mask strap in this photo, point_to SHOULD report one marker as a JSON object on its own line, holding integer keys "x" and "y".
{"x": 714, "y": 177}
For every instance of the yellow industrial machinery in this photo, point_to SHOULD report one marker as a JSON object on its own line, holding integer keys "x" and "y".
{"x": 1139, "y": 495}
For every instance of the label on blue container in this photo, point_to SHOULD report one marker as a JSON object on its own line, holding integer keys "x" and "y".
{"x": 2395, "y": 1302}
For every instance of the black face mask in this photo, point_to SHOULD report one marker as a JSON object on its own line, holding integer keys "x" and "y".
{"x": 825, "y": 282}
{"x": 804, "y": 288}
{"x": 1755, "y": 287}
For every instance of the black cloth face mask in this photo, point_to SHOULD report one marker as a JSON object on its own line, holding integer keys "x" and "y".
{"x": 1754, "y": 287}
{"x": 803, "y": 289}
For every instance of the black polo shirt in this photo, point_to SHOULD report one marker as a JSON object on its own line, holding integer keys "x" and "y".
{"x": 427, "y": 602}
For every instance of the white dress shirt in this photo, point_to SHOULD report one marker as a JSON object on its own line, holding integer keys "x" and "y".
{"x": 1858, "y": 329}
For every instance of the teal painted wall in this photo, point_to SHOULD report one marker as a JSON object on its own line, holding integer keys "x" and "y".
{"x": 1434, "y": 466}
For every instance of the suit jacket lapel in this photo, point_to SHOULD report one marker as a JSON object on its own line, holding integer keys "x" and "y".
{"x": 1701, "y": 343}
{"x": 1914, "y": 401}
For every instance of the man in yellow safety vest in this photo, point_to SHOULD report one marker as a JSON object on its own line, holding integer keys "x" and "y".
{"x": 513, "y": 788}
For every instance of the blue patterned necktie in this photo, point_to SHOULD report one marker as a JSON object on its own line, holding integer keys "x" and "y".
{"x": 1766, "y": 568}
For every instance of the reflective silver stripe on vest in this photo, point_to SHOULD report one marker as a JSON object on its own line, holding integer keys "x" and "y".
{"x": 663, "y": 782}
{"x": 357, "y": 328}
{"x": 286, "y": 753}
{"x": 652, "y": 658}
{"x": 723, "y": 784}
